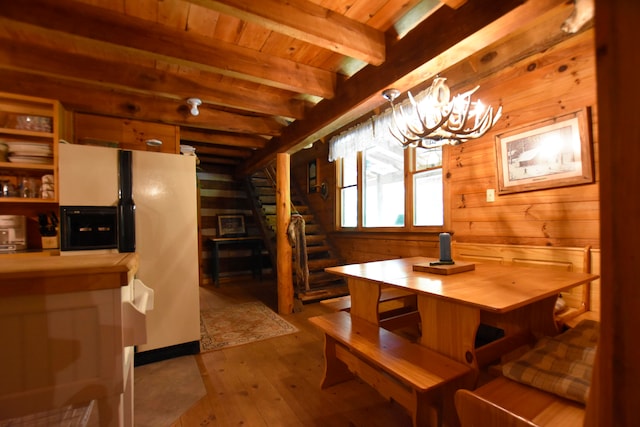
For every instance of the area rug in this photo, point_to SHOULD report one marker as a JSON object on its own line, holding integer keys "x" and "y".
{"x": 240, "y": 324}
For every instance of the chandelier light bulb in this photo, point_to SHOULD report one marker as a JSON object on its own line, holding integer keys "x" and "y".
{"x": 193, "y": 104}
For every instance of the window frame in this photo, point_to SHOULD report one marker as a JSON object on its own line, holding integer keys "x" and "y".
{"x": 409, "y": 173}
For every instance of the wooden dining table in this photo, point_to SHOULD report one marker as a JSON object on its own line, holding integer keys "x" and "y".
{"x": 517, "y": 300}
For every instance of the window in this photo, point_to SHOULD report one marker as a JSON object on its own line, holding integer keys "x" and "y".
{"x": 348, "y": 180}
{"x": 428, "y": 207}
{"x": 387, "y": 192}
{"x": 383, "y": 189}
{"x": 384, "y": 186}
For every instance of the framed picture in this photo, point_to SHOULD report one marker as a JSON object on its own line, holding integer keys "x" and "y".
{"x": 312, "y": 177}
{"x": 231, "y": 226}
{"x": 553, "y": 153}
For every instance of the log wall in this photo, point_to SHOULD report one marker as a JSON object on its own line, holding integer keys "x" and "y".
{"x": 222, "y": 194}
{"x": 559, "y": 80}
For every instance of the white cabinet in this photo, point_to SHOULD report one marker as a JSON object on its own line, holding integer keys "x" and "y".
{"x": 67, "y": 333}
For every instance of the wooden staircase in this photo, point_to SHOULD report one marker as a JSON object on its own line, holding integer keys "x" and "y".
{"x": 320, "y": 253}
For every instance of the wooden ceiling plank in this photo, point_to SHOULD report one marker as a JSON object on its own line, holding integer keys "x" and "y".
{"x": 233, "y": 140}
{"x": 307, "y": 21}
{"x": 102, "y": 72}
{"x": 79, "y": 97}
{"x": 409, "y": 62}
{"x": 197, "y": 51}
{"x": 391, "y": 12}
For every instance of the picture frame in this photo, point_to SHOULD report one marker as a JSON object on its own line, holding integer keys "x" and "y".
{"x": 548, "y": 154}
{"x": 231, "y": 226}
{"x": 313, "y": 177}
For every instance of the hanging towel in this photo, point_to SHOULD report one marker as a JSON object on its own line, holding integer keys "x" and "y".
{"x": 298, "y": 240}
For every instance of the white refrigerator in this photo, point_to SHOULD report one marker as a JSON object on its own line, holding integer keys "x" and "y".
{"x": 166, "y": 229}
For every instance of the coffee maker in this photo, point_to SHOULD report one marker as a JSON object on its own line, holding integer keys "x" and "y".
{"x": 13, "y": 233}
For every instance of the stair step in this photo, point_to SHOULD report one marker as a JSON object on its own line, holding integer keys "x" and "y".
{"x": 321, "y": 264}
{"x": 264, "y": 191}
{"x": 308, "y": 219}
{"x": 261, "y": 182}
{"x": 313, "y": 229}
{"x": 324, "y": 293}
{"x": 267, "y": 199}
{"x": 323, "y": 276}
{"x": 315, "y": 239}
{"x": 318, "y": 249}
{"x": 269, "y": 209}
{"x": 301, "y": 209}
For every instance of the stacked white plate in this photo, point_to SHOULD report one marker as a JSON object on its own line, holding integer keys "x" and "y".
{"x": 30, "y": 152}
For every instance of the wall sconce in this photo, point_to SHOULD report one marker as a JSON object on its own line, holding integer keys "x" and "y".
{"x": 435, "y": 119}
{"x": 193, "y": 104}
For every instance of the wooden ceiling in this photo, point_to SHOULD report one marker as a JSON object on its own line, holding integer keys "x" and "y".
{"x": 273, "y": 75}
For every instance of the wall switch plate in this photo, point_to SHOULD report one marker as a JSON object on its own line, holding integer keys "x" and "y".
{"x": 491, "y": 195}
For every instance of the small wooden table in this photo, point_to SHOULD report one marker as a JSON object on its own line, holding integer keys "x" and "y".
{"x": 255, "y": 243}
{"x": 518, "y": 300}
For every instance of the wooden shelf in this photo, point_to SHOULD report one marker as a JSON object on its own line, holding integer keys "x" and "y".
{"x": 27, "y": 166}
{"x": 35, "y": 200}
{"x": 26, "y": 133}
{"x": 15, "y": 111}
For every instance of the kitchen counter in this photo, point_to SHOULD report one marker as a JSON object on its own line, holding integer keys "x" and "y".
{"x": 63, "y": 274}
{"x": 68, "y": 325}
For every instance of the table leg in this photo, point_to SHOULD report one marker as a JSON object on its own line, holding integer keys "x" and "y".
{"x": 215, "y": 265}
{"x": 536, "y": 318}
{"x": 449, "y": 328}
{"x": 365, "y": 295}
{"x": 257, "y": 259}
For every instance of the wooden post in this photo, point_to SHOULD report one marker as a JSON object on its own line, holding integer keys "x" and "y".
{"x": 283, "y": 215}
{"x": 614, "y": 390}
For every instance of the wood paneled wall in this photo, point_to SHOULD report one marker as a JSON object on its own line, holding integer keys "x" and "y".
{"x": 222, "y": 194}
{"x": 557, "y": 81}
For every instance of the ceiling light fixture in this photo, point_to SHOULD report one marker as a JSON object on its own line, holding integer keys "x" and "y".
{"x": 193, "y": 104}
{"x": 153, "y": 142}
{"x": 434, "y": 119}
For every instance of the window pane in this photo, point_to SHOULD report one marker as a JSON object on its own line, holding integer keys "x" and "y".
{"x": 384, "y": 187}
{"x": 428, "y": 205}
{"x": 350, "y": 170}
{"x": 428, "y": 159}
{"x": 349, "y": 207}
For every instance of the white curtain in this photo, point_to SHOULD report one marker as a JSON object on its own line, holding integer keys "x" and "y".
{"x": 373, "y": 132}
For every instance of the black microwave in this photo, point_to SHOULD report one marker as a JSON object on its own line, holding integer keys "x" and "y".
{"x": 88, "y": 227}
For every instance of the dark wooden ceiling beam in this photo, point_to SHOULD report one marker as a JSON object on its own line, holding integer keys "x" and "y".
{"x": 108, "y": 73}
{"x": 452, "y": 35}
{"x": 309, "y": 22}
{"x": 84, "y": 98}
{"x": 212, "y": 150}
{"x": 234, "y": 140}
{"x": 199, "y": 52}
{"x": 217, "y": 160}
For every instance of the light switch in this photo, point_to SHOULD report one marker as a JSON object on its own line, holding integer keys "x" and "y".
{"x": 491, "y": 195}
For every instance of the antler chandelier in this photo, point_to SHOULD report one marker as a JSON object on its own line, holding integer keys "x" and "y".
{"x": 434, "y": 119}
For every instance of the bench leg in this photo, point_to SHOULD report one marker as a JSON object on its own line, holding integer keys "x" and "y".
{"x": 335, "y": 371}
{"x": 428, "y": 411}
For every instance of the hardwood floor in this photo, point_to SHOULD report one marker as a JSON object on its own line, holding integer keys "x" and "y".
{"x": 276, "y": 382}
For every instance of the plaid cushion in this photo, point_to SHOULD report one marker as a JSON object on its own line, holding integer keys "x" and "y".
{"x": 561, "y": 365}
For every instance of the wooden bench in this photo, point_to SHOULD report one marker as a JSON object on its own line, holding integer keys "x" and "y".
{"x": 506, "y": 403}
{"x": 581, "y": 301}
{"x": 415, "y": 377}
{"x": 560, "y": 366}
